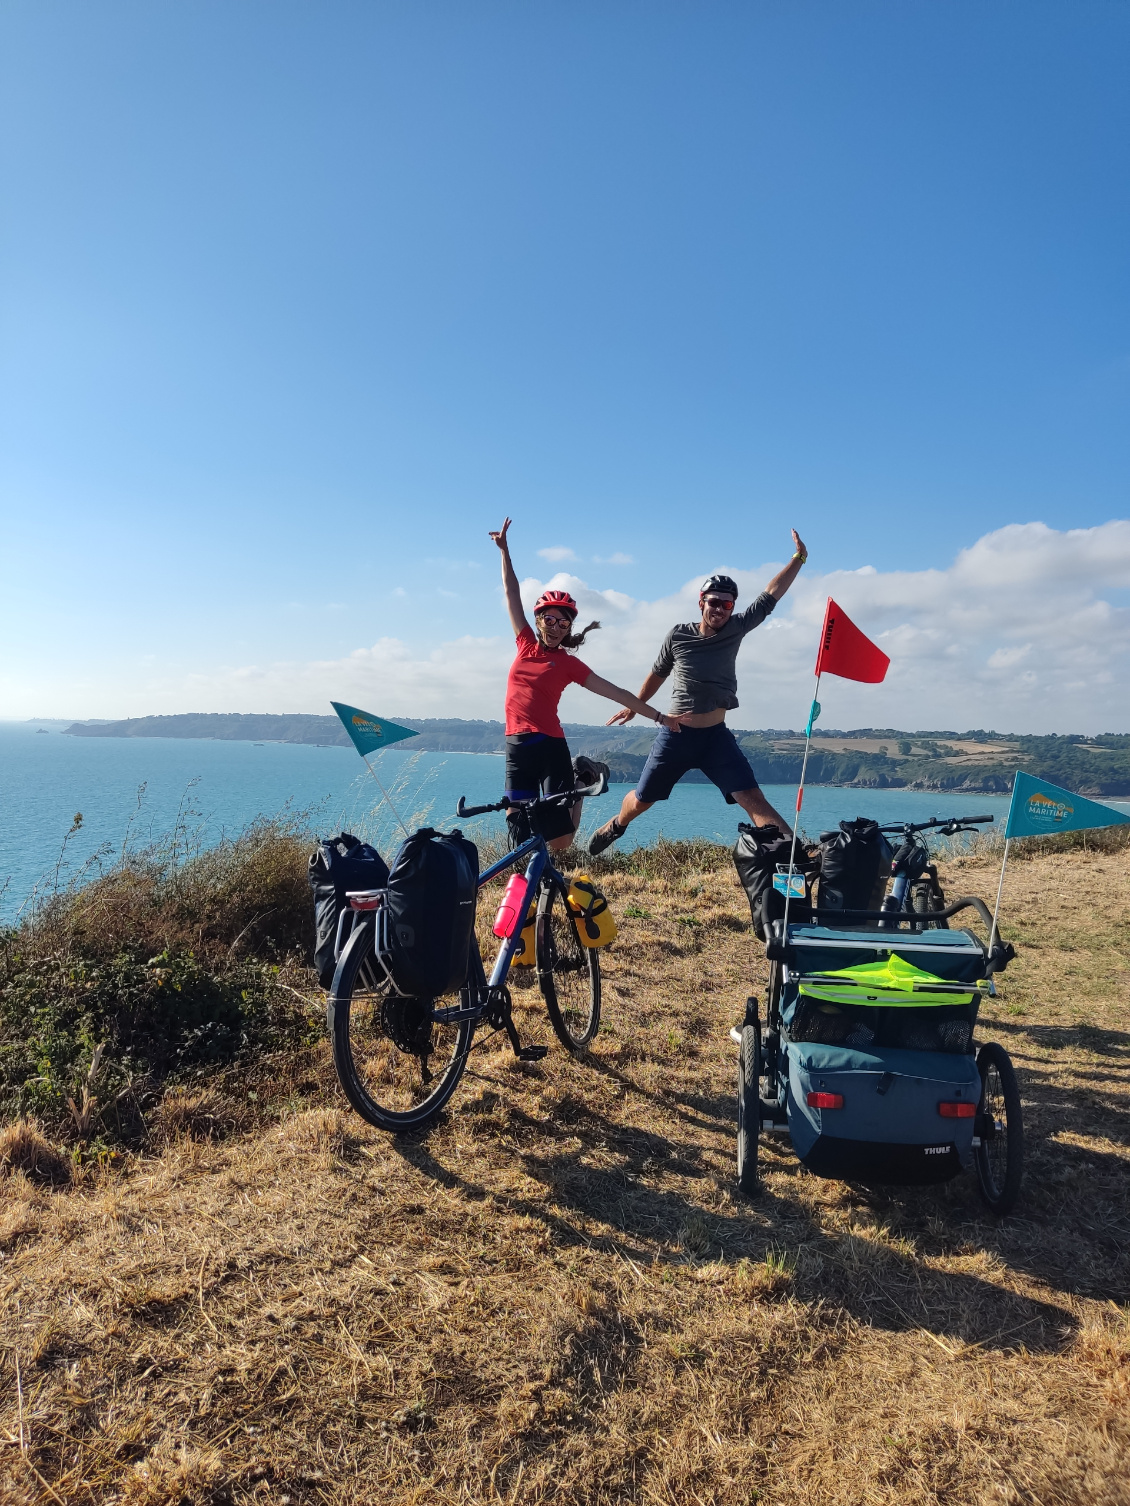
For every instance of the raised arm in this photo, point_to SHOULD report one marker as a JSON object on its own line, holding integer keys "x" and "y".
{"x": 784, "y": 578}
{"x": 510, "y": 583}
{"x": 600, "y": 686}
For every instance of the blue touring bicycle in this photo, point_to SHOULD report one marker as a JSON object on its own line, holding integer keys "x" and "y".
{"x": 399, "y": 1059}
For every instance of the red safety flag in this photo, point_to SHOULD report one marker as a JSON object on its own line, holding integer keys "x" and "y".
{"x": 847, "y": 652}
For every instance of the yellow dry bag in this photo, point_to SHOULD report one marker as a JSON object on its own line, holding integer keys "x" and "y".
{"x": 524, "y": 954}
{"x": 595, "y": 926}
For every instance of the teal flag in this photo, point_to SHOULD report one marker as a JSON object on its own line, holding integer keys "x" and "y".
{"x": 1039, "y": 808}
{"x": 812, "y": 715}
{"x": 368, "y": 732}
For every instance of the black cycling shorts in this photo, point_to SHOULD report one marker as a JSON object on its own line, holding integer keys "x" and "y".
{"x": 537, "y": 764}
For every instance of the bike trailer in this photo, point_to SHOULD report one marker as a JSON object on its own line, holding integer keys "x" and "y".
{"x": 878, "y": 1040}
{"x": 869, "y": 1060}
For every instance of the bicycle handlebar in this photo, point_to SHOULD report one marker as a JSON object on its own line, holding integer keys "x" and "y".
{"x": 562, "y": 797}
{"x": 952, "y": 823}
{"x": 464, "y": 810}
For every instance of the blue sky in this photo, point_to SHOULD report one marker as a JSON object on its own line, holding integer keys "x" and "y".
{"x": 299, "y": 300}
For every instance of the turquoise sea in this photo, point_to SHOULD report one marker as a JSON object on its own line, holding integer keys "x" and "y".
{"x": 138, "y": 789}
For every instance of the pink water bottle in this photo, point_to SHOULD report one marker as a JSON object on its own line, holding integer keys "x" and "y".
{"x": 510, "y": 910}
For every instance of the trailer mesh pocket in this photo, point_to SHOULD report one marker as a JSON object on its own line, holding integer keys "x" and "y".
{"x": 938, "y": 1028}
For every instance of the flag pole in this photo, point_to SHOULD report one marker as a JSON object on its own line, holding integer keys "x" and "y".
{"x": 386, "y": 794}
{"x": 814, "y": 712}
{"x": 1004, "y": 865}
{"x": 1000, "y": 886}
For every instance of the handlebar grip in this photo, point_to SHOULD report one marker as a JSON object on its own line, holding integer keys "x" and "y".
{"x": 975, "y": 820}
{"x": 465, "y": 810}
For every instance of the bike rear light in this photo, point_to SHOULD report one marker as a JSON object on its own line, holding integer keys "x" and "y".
{"x": 957, "y": 1110}
{"x": 825, "y": 1100}
{"x": 365, "y": 899}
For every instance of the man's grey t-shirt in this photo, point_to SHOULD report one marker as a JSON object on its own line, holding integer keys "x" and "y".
{"x": 706, "y": 668}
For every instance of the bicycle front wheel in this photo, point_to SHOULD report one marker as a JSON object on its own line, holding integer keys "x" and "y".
{"x": 925, "y": 898}
{"x": 396, "y": 1065}
{"x": 568, "y": 973}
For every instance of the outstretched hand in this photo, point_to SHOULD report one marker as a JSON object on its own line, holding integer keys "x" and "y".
{"x": 499, "y": 537}
{"x": 625, "y": 715}
{"x": 797, "y": 545}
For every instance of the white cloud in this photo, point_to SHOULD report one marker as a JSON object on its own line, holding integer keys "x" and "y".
{"x": 557, "y": 554}
{"x": 1016, "y": 634}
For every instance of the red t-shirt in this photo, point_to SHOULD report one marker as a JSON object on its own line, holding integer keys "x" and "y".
{"x": 534, "y": 686}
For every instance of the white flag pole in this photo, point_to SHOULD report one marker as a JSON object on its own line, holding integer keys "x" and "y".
{"x": 1004, "y": 865}
{"x": 1000, "y": 886}
{"x": 814, "y": 712}
{"x": 385, "y": 793}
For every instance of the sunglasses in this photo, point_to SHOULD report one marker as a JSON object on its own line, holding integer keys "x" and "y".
{"x": 718, "y": 602}
{"x": 550, "y": 621}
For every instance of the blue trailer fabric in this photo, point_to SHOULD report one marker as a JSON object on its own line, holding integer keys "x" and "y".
{"x": 889, "y": 1127}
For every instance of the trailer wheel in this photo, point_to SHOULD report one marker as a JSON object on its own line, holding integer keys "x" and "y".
{"x": 1000, "y": 1129}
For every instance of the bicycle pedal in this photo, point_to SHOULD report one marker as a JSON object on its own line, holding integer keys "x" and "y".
{"x": 532, "y": 1053}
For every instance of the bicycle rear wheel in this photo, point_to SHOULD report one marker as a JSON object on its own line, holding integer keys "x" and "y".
{"x": 396, "y": 1065}
{"x": 568, "y": 973}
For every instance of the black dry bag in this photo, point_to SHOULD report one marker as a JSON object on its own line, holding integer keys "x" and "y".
{"x": 336, "y": 866}
{"x": 757, "y": 852}
{"x": 589, "y": 771}
{"x": 431, "y": 912}
{"x": 854, "y": 865}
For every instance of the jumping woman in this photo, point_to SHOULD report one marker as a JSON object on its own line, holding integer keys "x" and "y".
{"x": 537, "y": 755}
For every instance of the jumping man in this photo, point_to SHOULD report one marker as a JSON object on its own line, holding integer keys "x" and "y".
{"x": 703, "y": 656}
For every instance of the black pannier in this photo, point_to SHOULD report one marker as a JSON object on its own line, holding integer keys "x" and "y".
{"x": 430, "y": 912}
{"x": 338, "y": 865}
{"x": 757, "y": 852}
{"x": 855, "y": 863}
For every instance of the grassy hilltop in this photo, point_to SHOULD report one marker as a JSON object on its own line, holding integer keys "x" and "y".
{"x": 238, "y": 1292}
{"x": 870, "y": 758}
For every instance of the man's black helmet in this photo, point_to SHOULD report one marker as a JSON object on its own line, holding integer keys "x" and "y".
{"x": 720, "y": 583}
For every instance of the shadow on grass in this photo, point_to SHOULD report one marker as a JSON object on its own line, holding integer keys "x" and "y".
{"x": 601, "y": 1192}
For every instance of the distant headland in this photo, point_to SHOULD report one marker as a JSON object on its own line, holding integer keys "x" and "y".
{"x": 868, "y": 757}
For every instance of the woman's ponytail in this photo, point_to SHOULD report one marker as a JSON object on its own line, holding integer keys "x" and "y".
{"x": 574, "y": 640}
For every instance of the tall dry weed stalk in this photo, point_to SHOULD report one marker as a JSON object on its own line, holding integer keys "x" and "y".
{"x": 85, "y": 1114}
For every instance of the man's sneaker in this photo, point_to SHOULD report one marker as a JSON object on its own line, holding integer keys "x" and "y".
{"x": 605, "y": 837}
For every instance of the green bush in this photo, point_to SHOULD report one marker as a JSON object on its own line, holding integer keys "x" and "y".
{"x": 158, "y": 968}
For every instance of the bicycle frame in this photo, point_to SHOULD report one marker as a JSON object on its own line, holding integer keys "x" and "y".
{"x": 536, "y": 870}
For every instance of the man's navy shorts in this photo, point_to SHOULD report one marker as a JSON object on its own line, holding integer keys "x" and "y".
{"x": 714, "y": 750}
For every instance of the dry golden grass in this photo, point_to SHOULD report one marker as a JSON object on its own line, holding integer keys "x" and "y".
{"x": 558, "y": 1295}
